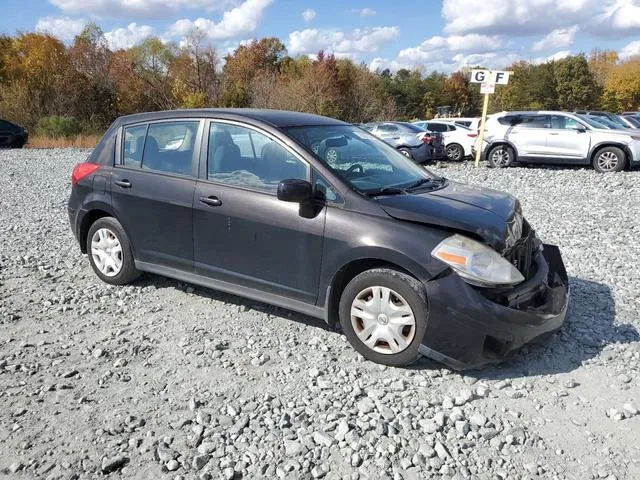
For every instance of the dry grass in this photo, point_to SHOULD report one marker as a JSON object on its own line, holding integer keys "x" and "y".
{"x": 79, "y": 141}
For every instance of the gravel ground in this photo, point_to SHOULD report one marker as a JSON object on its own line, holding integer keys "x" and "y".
{"x": 167, "y": 380}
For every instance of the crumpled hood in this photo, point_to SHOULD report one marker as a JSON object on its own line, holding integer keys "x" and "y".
{"x": 481, "y": 211}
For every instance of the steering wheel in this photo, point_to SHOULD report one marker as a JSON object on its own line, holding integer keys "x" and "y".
{"x": 354, "y": 167}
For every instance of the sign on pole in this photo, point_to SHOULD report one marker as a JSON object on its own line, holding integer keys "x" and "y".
{"x": 488, "y": 79}
{"x": 487, "y": 88}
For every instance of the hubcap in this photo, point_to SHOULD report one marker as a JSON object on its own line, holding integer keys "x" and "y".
{"x": 453, "y": 153}
{"x": 106, "y": 252}
{"x": 405, "y": 153}
{"x": 383, "y": 320}
{"x": 500, "y": 157}
{"x": 332, "y": 156}
{"x": 608, "y": 161}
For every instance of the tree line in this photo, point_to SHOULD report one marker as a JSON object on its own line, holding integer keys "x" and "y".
{"x": 82, "y": 87}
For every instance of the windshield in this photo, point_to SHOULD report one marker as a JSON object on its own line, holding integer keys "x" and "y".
{"x": 367, "y": 163}
{"x": 606, "y": 121}
{"x": 592, "y": 122}
{"x": 634, "y": 121}
{"x": 411, "y": 126}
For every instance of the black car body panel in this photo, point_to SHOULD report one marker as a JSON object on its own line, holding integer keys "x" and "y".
{"x": 247, "y": 242}
{"x": 12, "y": 135}
{"x": 480, "y": 211}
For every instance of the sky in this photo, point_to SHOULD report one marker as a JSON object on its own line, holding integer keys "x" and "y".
{"x": 443, "y": 35}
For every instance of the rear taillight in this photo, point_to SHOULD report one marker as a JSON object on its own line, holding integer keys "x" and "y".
{"x": 427, "y": 138}
{"x": 472, "y": 135}
{"x": 83, "y": 170}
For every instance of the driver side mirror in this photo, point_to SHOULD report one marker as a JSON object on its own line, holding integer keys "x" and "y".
{"x": 580, "y": 129}
{"x": 295, "y": 190}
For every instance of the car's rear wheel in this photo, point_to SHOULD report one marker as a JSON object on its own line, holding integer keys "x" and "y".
{"x": 609, "y": 159}
{"x": 383, "y": 313}
{"x": 501, "y": 156}
{"x": 455, "y": 152}
{"x": 406, "y": 152}
{"x": 110, "y": 252}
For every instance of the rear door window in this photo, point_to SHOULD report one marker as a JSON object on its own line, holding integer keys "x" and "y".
{"x": 134, "y": 145}
{"x": 437, "y": 127}
{"x": 169, "y": 147}
{"x": 533, "y": 121}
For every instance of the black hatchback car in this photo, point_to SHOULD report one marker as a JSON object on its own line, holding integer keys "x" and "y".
{"x": 246, "y": 201}
{"x": 12, "y": 135}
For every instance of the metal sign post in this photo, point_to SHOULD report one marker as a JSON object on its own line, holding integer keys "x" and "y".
{"x": 488, "y": 79}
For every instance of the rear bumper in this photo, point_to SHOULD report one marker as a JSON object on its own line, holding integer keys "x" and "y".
{"x": 421, "y": 153}
{"x": 469, "y": 327}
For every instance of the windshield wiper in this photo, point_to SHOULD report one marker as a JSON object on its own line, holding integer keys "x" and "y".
{"x": 387, "y": 191}
{"x": 423, "y": 181}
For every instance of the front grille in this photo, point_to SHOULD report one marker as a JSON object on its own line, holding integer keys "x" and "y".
{"x": 522, "y": 254}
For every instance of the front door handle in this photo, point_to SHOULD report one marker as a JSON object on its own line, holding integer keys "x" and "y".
{"x": 211, "y": 200}
{"x": 123, "y": 183}
{"x": 551, "y": 133}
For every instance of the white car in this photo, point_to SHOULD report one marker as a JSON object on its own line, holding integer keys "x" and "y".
{"x": 560, "y": 138}
{"x": 458, "y": 139}
{"x": 472, "y": 123}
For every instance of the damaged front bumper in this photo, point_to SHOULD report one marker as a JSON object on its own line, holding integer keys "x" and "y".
{"x": 469, "y": 327}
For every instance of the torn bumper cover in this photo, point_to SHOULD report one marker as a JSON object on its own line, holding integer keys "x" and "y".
{"x": 469, "y": 327}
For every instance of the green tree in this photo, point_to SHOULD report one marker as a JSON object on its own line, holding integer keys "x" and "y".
{"x": 575, "y": 84}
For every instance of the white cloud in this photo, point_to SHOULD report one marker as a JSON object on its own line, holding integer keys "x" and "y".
{"x": 630, "y": 50}
{"x": 309, "y": 14}
{"x": 363, "y": 12}
{"x": 516, "y": 17}
{"x": 312, "y": 40}
{"x": 137, "y": 8}
{"x": 559, "y": 55}
{"x": 447, "y": 64}
{"x": 123, "y": 38}
{"x": 558, "y": 38}
{"x": 241, "y": 20}
{"x": 622, "y": 15}
{"x": 63, "y": 28}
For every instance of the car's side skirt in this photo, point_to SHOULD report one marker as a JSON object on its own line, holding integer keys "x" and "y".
{"x": 271, "y": 299}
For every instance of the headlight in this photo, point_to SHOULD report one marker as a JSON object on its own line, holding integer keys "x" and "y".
{"x": 476, "y": 263}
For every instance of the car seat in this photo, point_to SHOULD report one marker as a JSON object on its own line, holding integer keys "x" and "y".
{"x": 226, "y": 154}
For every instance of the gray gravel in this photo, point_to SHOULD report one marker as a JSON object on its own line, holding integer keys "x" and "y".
{"x": 167, "y": 380}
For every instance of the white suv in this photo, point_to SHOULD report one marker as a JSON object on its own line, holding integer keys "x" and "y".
{"x": 560, "y": 138}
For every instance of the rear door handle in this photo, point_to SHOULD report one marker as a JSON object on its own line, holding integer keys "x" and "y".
{"x": 211, "y": 200}
{"x": 123, "y": 183}
{"x": 551, "y": 133}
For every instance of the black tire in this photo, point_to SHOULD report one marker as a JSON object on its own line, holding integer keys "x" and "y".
{"x": 455, "y": 152}
{"x": 501, "y": 156}
{"x": 608, "y": 160}
{"x": 411, "y": 292}
{"x": 406, "y": 152}
{"x": 128, "y": 272}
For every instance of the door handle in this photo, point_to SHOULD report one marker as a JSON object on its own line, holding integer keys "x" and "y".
{"x": 211, "y": 200}
{"x": 551, "y": 133}
{"x": 123, "y": 183}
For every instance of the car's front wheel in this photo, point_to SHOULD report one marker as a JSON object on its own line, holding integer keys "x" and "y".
{"x": 110, "y": 252}
{"x": 406, "y": 152}
{"x": 501, "y": 156}
{"x": 609, "y": 159}
{"x": 383, "y": 313}
{"x": 455, "y": 152}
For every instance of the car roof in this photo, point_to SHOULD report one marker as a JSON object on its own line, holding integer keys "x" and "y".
{"x": 276, "y": 118}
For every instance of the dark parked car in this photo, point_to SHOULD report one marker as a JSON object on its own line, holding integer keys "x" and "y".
{"x": 407, "y": 262}
{"x": 12, "y": 135}
{"x": 612, "y": 117}
{"x": 410, "y": 140}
